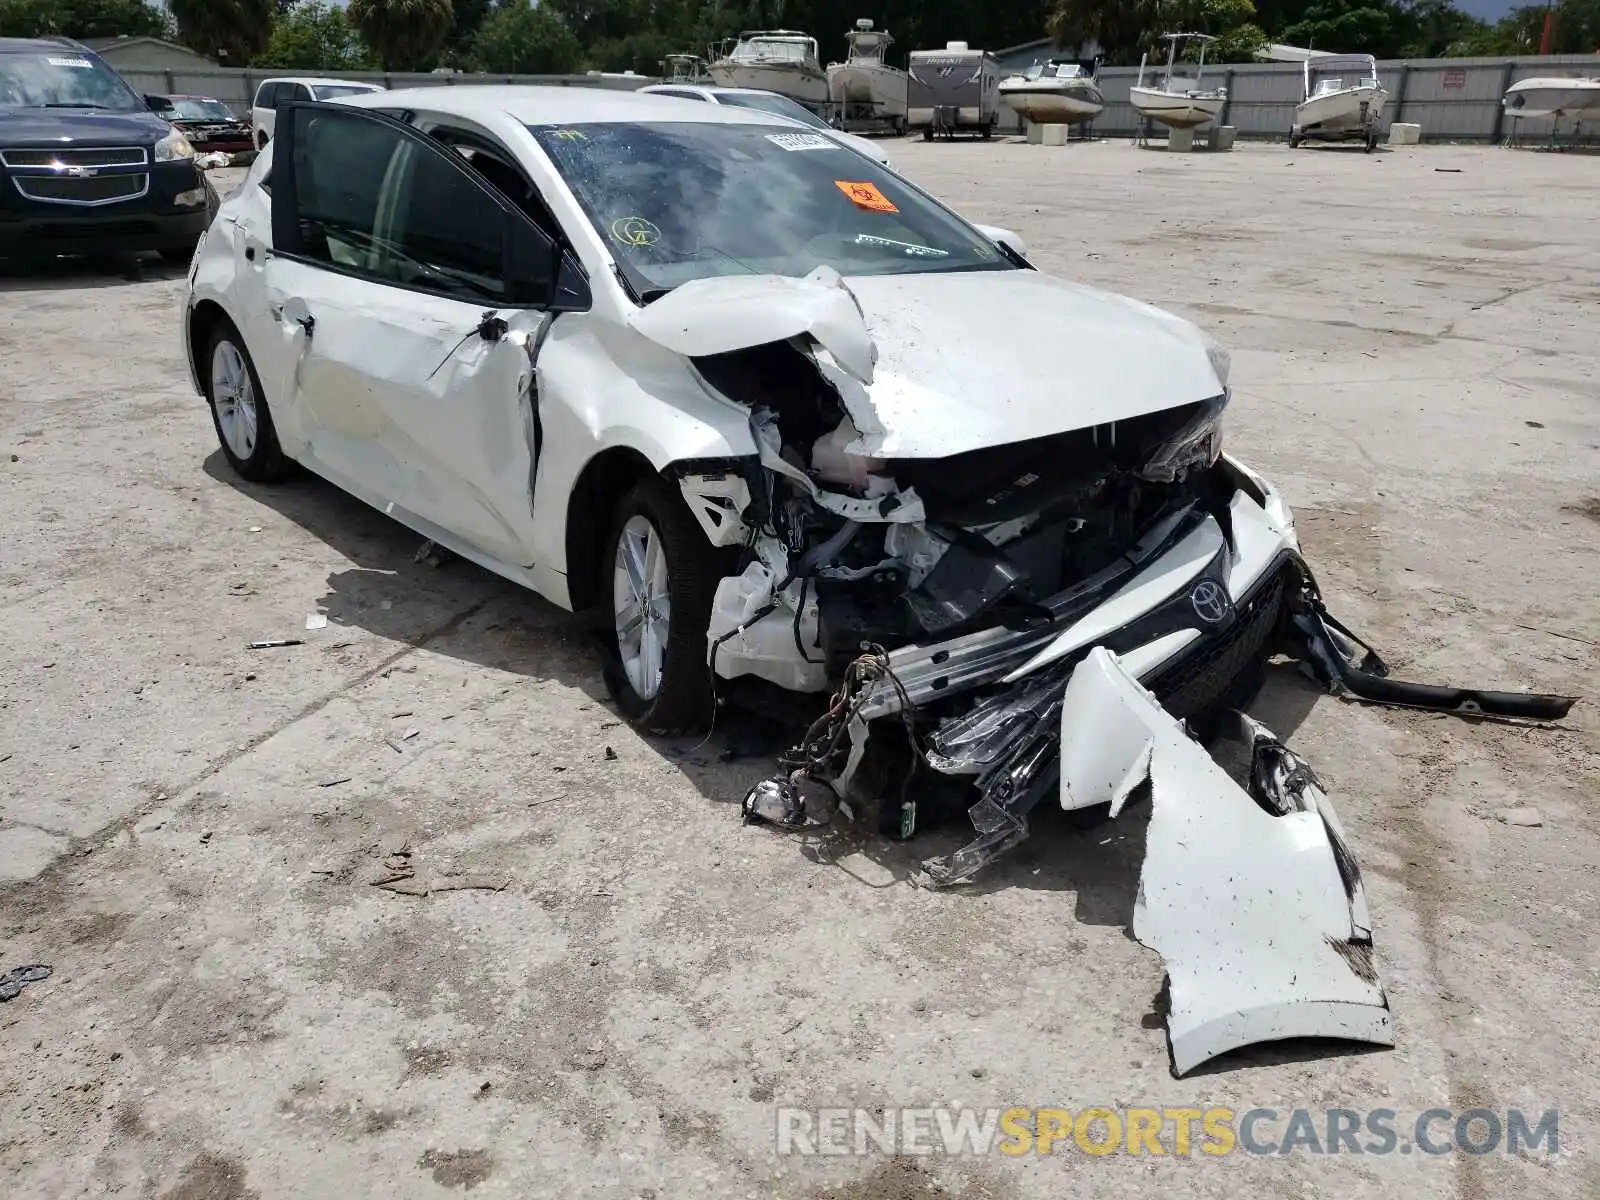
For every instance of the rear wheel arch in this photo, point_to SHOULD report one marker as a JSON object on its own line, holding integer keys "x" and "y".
{"x": 600, "y": 486}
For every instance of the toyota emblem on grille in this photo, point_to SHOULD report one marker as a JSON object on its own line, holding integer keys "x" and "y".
{"x": 1211, "y": 604}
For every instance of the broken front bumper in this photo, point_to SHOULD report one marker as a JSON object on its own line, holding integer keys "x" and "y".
{"x": 1188, "y": 608}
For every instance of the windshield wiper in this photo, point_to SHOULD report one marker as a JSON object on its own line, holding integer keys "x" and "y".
{"x": 80, "y": 104}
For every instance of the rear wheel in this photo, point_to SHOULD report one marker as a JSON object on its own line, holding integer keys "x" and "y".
{"x": 660, "y": 575}
{"x": 239, "y": 411}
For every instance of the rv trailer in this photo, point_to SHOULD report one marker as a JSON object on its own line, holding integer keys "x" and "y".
{"x": 954, "y": 90}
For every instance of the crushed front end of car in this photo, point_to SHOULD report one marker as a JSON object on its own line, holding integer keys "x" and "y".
{"x": 1066, "y": 616}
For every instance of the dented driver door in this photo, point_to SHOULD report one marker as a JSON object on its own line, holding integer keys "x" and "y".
{"x": 393, "y": 274}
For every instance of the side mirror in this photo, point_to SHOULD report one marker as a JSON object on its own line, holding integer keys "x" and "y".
{"x": 1005, "y": 239}
{"x": 158, "y": 104}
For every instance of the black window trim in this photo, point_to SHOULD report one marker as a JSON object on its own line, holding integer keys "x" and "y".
{"x": 440, "y": 123}
{"x": 285, "y": 228}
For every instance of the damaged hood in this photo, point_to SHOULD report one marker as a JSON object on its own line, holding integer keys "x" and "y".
{"x": 930, "y": 365}
{"x": 986, "y": 358}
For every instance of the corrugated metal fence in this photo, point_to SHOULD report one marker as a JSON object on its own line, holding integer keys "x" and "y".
{"x": 1453, "y": 99}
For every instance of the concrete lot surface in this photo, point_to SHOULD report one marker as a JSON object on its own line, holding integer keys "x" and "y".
{"x": 235, "y": 1010}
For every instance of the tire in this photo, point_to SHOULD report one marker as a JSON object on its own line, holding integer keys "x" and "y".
{"x": 250, "y": 445}
{"x": 663, "y": 683}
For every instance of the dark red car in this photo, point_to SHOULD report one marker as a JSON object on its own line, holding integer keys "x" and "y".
{"x": 208, "y": 124}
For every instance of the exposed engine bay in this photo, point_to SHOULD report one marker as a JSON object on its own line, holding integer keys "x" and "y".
{"x": 848, "y": 552}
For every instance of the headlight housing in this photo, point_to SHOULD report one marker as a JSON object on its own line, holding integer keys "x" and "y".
{"x": 1195, "y": 447}
{"x": 173, "y": 147}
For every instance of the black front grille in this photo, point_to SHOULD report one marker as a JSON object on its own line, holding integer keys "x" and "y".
{"x": 1222, "y": 671}
{"x": 106, "y": 156}
{"x": 97, "y": 189}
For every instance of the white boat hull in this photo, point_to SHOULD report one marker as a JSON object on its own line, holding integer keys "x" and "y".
{"x": 1176, "y": 110}
{"x": 1552, "y": 98}
{"x": 869, "y": 85}
{"x": 1352, "y": 110}
{"x": 806, "y": 84}
{"x": 1039, "y": 102}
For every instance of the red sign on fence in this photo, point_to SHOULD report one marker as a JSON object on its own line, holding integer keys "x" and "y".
{"x": 1455, "y": 78}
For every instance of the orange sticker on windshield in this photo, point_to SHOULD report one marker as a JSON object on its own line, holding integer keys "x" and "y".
{"x": 866, "y": 195}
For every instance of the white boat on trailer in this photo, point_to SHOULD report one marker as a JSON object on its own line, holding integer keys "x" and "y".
{"x": 1059, "y": 92}
{"x": 1179, "y": 102}
{"x": 1553, "y": 97}
{"x": 775, "y": 60}
{"x": 864, "y": 87}
{"x": 1343, "y": 99}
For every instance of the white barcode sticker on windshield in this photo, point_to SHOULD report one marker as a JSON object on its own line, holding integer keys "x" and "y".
{"x": 70, "y": 62}
{"x": 801, "y": 141}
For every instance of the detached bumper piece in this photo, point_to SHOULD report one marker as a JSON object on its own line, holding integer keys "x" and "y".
{"x": 1351, "y": 668}
{"x": 1252, "y": 899}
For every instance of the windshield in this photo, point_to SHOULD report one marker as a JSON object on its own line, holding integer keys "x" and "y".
{"x": 332, "y": 91}
{"x": 191, "y": 109}
{"x": 682, "y": 200}
{"x": 762, "y": 50}
{"x": 63, "y": 79}
{"x": 774, "y": 103}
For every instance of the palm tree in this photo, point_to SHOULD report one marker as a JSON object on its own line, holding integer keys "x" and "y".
{"x": 231, "y": 31}
{"x": 404, "y": 33}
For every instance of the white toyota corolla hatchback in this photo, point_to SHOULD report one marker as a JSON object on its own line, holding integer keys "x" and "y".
{"x": 778, "y": 415}
{"x": 761, "y": 400}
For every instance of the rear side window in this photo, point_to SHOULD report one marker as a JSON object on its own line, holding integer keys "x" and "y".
{"x": 372, "y": 200}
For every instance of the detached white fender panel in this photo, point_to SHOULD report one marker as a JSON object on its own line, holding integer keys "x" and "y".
{"x": 1259, "y": 916}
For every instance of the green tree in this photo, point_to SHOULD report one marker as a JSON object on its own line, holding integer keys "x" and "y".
{"x": 638, "y": 52}
{"x": 81, "y": 18}
{"x": 231, "y": 31}
{"x": 520, "y": 39}
{"x": 469, "y": 17}
{"x": 310, "y": 36}
{"x": 404, "y": 34}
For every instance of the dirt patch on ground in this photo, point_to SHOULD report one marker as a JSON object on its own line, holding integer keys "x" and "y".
{"x": 211, "y": 1177}
{"x": 464, "y": 1169}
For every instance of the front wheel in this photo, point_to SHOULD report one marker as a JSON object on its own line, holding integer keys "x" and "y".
{"x": 660, "y": 574}
{"x": 240, "y": 413}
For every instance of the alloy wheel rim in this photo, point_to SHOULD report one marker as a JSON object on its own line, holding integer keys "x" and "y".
{"x": 642, "y": 605}
{"x": 234, "y": 398}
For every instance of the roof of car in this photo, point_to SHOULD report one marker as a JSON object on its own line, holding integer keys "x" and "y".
{"x": 18, "y": 45}
{"x": 532, "y": 105}
{"x": 711, "y": 89}
{"x": 321, "y": 81}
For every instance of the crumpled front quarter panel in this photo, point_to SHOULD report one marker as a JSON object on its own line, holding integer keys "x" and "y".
{"x": 602, "y": 385}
